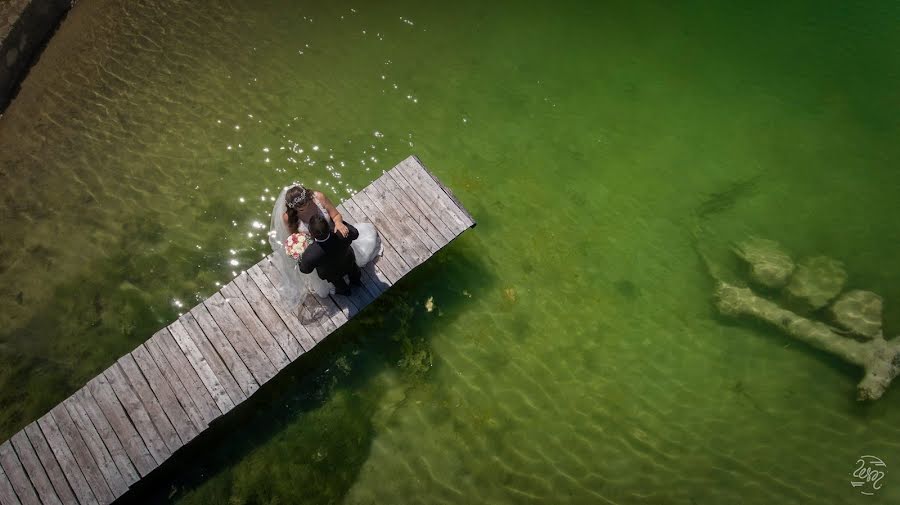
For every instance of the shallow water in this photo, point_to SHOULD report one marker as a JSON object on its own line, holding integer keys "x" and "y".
{"x": 573, "y": 354}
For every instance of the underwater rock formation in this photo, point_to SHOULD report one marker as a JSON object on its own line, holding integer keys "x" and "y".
{"x": 879, "y": 358}
{"x": 860, "y": 312}
{"x": 770, "y": 266}
{"x": 817, "y": 281}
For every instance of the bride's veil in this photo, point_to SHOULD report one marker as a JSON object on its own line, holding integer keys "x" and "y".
{"x": 294, "y": 285}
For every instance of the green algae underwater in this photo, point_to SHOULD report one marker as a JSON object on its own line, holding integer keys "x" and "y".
{"x": 564, "y": 351}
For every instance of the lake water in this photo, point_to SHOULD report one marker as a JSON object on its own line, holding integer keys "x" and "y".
{"x": 572, "y": 354}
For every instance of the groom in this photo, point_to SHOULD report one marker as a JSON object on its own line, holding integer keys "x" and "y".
{"x": 330, "y": 255}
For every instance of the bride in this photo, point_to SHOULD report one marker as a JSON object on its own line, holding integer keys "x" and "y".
{"x": 294, "y": 207}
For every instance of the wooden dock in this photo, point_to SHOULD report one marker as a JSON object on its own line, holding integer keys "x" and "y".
{"x": 96, "y": 444}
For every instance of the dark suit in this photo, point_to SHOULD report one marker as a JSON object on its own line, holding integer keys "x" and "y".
{"x": 332, "y": 258}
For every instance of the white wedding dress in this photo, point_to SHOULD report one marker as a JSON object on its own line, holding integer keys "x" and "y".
{"x": 295, "y": 284}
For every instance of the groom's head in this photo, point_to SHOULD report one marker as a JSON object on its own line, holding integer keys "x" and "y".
{"x": 318, "y": 227}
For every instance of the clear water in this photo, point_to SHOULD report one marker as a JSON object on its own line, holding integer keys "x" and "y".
{"x": 573, "y": 355}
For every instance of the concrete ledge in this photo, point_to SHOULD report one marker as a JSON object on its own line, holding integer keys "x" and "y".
{"x": 25, "y": 25}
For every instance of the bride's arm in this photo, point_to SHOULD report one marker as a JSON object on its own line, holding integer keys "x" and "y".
{"x": 336, "y": 216}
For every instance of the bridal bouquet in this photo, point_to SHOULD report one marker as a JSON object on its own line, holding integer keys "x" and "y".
{"x": 296, "y": 244}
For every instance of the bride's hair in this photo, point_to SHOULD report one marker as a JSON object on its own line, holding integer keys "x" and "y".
{"x": 295, "y": 198}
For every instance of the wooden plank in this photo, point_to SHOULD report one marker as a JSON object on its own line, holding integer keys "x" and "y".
{"x": 314, "y": 317}
{"x": 134, "y": 445}
{"x": 309, "y": 313}
{"x": 239, "y": 336}
{"x": 235, "y": 299}
{"x": 267, "y": 315}
{"x": 201, "y": 366}
{"x": 188, "y": 382}
{"x": 137, "y": 413}
{"x": 108, "y": 435}
{"x": 391, "y": 206}
{"x": 35, "y": 470}
{"x": 332, "y": 310}
{"x": 7, "y": 494}
{"x": 462, "y": 211}
{"x": 289, "y": 319}
{"x": 413, "y": 202}
{"x": 385, "y": 262}
{"x": 186, "y": 426}
{"x": 66, "y": 460}
{"x": 203, "y": 335}
{"x": 51, "y": 466}
{"x": 82, "y": 454}
{"x": 97, "y": 449}
{"x": 393, "y": 233}
{"x": 430, "y": 191}
{"x": 154, "y": 409}
{"x": 252, "y": 316}
{"x": 390, "y": 261}
{"x": 15, "y": 472}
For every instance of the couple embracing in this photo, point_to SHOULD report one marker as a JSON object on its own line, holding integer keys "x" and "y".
{"x": 316, "y": 250}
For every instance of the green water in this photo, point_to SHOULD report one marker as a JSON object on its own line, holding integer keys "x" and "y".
{"x": 573, "y": 354}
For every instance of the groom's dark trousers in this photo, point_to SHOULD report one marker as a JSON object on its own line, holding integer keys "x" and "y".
{"x": 333, "y": 258}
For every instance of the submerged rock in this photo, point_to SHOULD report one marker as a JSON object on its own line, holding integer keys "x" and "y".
{"x": 770, "y": 265}
{"x": 860, "y": 312}
{"x": 817, "y": 280}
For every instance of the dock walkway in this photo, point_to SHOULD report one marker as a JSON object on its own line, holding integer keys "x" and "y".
{"x": 124, "y": 423}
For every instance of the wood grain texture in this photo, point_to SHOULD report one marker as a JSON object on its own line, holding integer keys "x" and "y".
{"x": 66, "y": 460}
{"x": 15, "y": 472}
{"x": 289, "y": 319}
{"x": 35, "y": 470}
{"x": 108, "y": 435}
{"x": 7, "y": 494}
{"x": 97, "y": 448}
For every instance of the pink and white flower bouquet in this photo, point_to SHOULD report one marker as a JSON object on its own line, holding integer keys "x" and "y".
{"x": 295, "y": 244}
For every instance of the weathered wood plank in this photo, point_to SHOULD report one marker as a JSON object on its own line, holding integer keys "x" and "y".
{"x": 7, "y": 494}
{"x": 136, "y": 412}
{"x": 50, "y": 465}
{"x": 235, "y": 299}
{"x": 227, "y": 365}
{"x": 282, "y": 343}
{"x": 201, "y": 366}
{"x": 390, "y": 205}
{"x": 289, "y": 319}
{"x": 82, "y": 454}
{"x": 314, "y": 317}
{"x": 182, "y": 421}
{"x": 420, "y": 179}
{"x": 381, "y": 264}
{"x": 67, "y": 462}
{"x": 15, "y": 472}
{"x": 151, "y": 404}
{"x": 413, "y": 202}
{"x": 35, "y": 470}
{"x": 332, "y": 310}
{"x": 394, "y": 266}
{"x": 266, "y": 314}
{"x": 460, "y": 208}
{"x": 390, "y": 232}
{"x": 310, "y": 314}
{"x": 112, "y": 409}
{"x": 239, "y": 336}
{"x": 97, "y": 449}
{"x": 182, "y": 377}
{"x": 108, "y": 435}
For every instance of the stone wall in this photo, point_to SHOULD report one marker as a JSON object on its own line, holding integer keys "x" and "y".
{"x": 25, "y": 26}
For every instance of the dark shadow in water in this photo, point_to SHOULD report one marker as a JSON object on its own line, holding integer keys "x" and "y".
{"x": 329, "y": 388}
